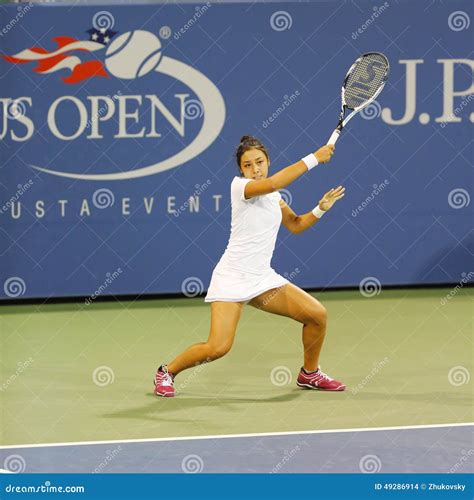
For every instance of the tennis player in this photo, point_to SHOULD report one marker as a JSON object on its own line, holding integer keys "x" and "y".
{"x": 244, "y": 275}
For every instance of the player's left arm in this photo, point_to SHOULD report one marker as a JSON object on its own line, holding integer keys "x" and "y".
{"x": 299, "y": 223}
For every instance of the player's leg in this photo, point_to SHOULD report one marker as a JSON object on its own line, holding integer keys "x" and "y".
{"x": 224, "y": 319}
{"x": 295, "y": 303}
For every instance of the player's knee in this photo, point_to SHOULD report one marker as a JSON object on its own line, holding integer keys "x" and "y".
{"x": 319, "y": 316}
{"x": 216, "y": 351}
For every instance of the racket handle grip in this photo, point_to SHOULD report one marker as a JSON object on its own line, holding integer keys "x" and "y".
{"x": 334, "y": 137}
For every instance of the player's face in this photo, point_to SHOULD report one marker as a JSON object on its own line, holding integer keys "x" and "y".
{"x": 254, "y": 164}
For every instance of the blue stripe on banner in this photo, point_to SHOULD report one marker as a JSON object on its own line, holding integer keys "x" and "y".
{"x": 237, "y": 486}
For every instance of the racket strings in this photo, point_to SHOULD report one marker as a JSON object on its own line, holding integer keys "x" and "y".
{"x": 365, "y": 79}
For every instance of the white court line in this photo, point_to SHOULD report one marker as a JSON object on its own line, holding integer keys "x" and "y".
{"x": 229, "y": 436}
{"x": 3, "y": 471}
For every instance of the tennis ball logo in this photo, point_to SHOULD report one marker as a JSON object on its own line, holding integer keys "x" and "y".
{"x": 133, "y": 54}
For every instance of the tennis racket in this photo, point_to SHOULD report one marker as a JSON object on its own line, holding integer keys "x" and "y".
{"x": 363, "y": 83}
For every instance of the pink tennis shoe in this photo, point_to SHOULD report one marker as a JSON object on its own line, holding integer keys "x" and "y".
{"x": 164, "y": 381}
{"x": 318, "y": 380}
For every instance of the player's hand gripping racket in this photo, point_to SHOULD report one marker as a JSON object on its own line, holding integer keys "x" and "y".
{"x": 363, "y": 83}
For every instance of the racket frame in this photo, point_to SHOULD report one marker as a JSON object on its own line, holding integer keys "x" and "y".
{"x": 343, "y": 121}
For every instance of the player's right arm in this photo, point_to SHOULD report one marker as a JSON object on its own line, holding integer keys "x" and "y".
{"x": 285, "y": 176}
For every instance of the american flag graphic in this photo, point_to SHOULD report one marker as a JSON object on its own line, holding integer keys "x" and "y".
{"x": 67, "y": 56}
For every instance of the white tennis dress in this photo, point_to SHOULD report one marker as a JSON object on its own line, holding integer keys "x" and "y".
{"x": 244, "y": 270}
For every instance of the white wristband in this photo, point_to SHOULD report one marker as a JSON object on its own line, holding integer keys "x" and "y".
{"x": 310, "y": 161}
{"x": 317, "y": 212}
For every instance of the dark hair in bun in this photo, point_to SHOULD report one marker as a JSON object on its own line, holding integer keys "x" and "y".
{"x": 248, "y": 142}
